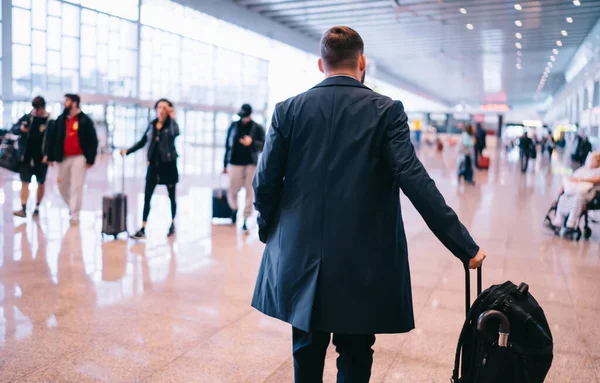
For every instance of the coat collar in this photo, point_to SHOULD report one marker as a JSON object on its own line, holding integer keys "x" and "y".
{"x": 341, "y": 81}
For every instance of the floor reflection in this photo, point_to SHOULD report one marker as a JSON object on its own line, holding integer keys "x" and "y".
{"x": 75, "y": 308}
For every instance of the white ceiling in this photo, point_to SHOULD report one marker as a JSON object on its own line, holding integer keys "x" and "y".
{"x": 428, "y": 43}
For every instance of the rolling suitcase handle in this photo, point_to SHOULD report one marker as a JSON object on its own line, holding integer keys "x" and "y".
{"x": 123, "y": 175}
{"x": 468, "y": 286}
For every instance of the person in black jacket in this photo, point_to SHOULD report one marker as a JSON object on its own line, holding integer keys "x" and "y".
{"x": 245, "y": 140}
{"x": 33, "y": 131}
{"x": 583, "y": 147}
{"x": 162, "y": 160}
{"x": 327, "y": 191}
{"x": 480, "y": 143}
{"x": 74, "y": 145}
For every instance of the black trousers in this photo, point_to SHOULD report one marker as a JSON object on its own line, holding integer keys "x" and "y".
{"x": 150, "y": 186}
{"x": 354, "y": 362}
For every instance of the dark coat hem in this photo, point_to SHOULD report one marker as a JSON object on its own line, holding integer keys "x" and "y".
{"x": 398, "y": 330}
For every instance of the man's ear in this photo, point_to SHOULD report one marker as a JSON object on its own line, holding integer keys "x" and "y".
{"x": 321, "y": 67}
{"x": 362, "y": 63}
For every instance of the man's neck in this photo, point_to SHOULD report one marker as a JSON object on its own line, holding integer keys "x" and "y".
{"x": 74, "y": 112}
{"x": 342, "y": 73}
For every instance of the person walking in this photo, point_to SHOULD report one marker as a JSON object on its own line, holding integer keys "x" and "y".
{"x": 465, "y": 168}
{"x": 526, "y": 147}
{"x": 32, "y": 130}
{"x": 480, "y": 142}
{"x": 74, "y": 145}
{"x": 162, "y": 160}
{"x": 245, "y": 140}
{"x": 327, "y": 196}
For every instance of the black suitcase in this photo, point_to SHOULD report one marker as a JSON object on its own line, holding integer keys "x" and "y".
{"x": 220, "y": 206}
{"x": 505, "y": 337}
{"x": 9, "y": 155}
{"x": 114, "y": 211}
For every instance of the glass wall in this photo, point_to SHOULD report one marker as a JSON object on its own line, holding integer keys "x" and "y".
{"x": 122, "y": 55}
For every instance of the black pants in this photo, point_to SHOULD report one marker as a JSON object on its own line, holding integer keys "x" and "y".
{"x": 150, "y": 186}
{"x": 467, "y": 169}
{"x": 354, "y": 362}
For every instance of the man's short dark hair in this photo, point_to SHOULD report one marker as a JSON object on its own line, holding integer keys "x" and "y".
{"x": 74, "y": 97}
{"x": 341, "y": 47}
{"x": 38, "y": 102}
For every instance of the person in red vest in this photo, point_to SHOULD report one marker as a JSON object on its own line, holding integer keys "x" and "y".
{"x": 74, "y": 147}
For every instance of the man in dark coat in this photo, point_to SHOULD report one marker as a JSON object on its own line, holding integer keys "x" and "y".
{"x": 327, "y": 194}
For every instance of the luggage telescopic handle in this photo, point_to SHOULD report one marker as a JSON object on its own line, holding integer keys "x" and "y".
{"x": 123, "y": 175}
{"x": 468, "y": 286}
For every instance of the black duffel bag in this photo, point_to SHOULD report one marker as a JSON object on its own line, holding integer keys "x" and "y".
{"x": 505, "y": 338}
{"x": 9, "y": 155}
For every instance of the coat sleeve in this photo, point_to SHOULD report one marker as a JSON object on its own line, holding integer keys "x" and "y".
{"x": 140, "y": 144}
{"x": 259, "y": 138}
{"x": 227, "y": 147}
{"x": 421, "y": 189}
{"x": 91, "y": 156}
{"x": 47, "y": 142}
{"x": 175, "y": 128}
{"x": 16, "y": 128}
{"x": 268, "y": 180}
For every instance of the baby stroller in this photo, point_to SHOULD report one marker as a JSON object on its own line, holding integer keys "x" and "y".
{"x": 594, "y": 204}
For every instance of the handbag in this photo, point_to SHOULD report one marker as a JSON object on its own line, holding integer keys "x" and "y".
{"x": 9, "y": 155}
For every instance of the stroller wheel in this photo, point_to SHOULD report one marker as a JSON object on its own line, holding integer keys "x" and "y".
{"x": 587, "y": 233}
{"x": 577, "y": 234}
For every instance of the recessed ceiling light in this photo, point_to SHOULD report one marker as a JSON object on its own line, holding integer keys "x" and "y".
{"x": 555, "y": 51}
{"x": 518, "y": 53}
{"x": 518, "y": 7}
{"x": 518, "y": 59}
{"x": 463, "y": 11}
{"x": 518, "y": 66}
{"x": 577, "y": 2}
{"x": 552, "y": 58}
{"x": 550, "y": 65}
{"x": 559, "y": 43}
{"x": 518, "y": 45}
{"x": 518, "y": 23}
{"x": 518, "y": 35}
{"x": 547, "y": 70}
{"x": 563, "y": 32}
{"x": 470, "y": 27}
{"x": 569, "y": 20}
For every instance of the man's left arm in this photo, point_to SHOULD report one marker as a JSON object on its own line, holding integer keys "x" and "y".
{"x": 93, "y": 145}
{"x": 259, "y": 138}
{"x": 268, "y": 181}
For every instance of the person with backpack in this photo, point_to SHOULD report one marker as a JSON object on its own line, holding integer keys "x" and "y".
{"x": 162, "y": 160}
{"x": 32, "y": 130}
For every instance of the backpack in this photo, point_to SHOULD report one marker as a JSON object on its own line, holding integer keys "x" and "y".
{"x": 505, "y": 338}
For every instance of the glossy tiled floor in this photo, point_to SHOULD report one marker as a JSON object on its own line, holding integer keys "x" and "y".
{"x": 76, "y": 309}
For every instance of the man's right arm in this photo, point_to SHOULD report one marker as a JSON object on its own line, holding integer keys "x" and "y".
{"x": 268, "y": 180}
{"x": 422, "y": 191}
{"x": 227, "y": 148}
{"x": 16, "y": 128}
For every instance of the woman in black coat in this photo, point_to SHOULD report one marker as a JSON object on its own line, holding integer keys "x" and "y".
{"x": 162, "y": 160}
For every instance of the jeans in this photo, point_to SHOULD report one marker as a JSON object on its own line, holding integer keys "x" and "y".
{"x": 241, "y": 177}
{"x": 150, "y": 186}
{"x": 71, "y": 177}
{"x": 354, "y": 362}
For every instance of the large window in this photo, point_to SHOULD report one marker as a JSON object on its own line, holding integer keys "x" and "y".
{"x": 108, "y": 55}
{"x": 60, "y": 46}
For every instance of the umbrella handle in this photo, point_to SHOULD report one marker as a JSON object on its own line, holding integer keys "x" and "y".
{"x": 504, "y": 328}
